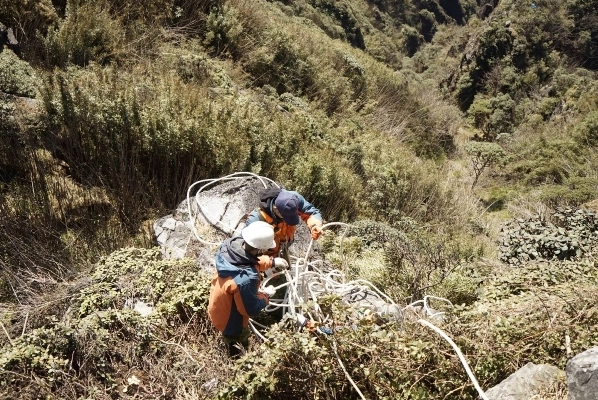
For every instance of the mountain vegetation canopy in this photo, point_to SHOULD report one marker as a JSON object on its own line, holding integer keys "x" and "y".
{"x": 457, "y": 137}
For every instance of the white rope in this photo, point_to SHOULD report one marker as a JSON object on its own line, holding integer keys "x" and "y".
{"x": 346, "y": 373}
{"x": 208, "y": 183}
{"x": 306, "y": 283}
{"x": 459, "y": 354}
{"x": 256, "y": 331}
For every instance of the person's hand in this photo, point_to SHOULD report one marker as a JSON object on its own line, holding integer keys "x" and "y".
{"x": 269, "y": 290}
{"x": 280, "y": 264}
{"x": 316, "y": 231}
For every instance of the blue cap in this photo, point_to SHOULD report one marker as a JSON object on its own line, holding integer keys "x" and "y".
{"x": 286, "y": 204}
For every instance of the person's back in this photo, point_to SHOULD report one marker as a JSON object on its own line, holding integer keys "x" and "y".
{"x": 234, "y": 292}
{"x": 284, "y": 209}
{"x": 236, "y": 275}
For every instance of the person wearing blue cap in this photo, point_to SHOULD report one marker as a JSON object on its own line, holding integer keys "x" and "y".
{"x": 284, "y": 209}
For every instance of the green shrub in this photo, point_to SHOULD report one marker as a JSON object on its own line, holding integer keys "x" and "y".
{"x": 541, "y": 162}
{"x": 355, "y": 72}
{"x": 328, "y": 185}
{"x": 157, "y": 281}
{"x": 403, "y": 187}
{"x": 493, "y": 116}
{"x": 548, "y": 106}
{"x": 522, "y": 326}
{"x": 465, "y": 91}
{"x": 368, "y": 351}
{"x": 497, "y": 198}
{"x": 154, "y": 12}
{"x": 420, "y": 264}
{"x": 282, "y": 64}
{"x": 572, "y": 235}
{"x": 348, "y": 18}
{"x": 375, "y": 234}
{"x": 17, "y": 77}
{"x": 88, "y": 34}
{"x": 484, "y": 155}
{"x": 584, "y": 33}
{"x": 43, "y": 352}
{"x": 101, "y": 117}
{"x": 428, "y": 24}
{"x": 574, "y": 191}
{"x": 223, "y": 31}
{"x": 586, "y": 132}
{"x": 412, "y": 40}
{"x": 267, "y": 377}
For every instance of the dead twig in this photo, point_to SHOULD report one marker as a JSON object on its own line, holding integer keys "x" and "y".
{"x": 7, "y": 335}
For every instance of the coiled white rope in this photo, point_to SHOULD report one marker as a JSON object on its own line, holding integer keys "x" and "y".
{"x": 208, "y": 183}
{"x": 305, "y": 282}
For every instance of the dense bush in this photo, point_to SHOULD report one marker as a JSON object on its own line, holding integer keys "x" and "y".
{"x": 540, "y": 162}
{"x": 587, "y": 131}
{"x": 516, "y": 314}
{"x": 419, "y": 264}
{"x": 585, "y": 32}
{"x": 16, "y": 76}
{"x": 103, "y": 341}
{"x": 571, "y": 236}
{"x": 493, "y": 116}
{"x": 89, "y": 33}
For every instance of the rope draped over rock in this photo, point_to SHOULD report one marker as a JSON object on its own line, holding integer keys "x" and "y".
{"x": 306, "y": 282}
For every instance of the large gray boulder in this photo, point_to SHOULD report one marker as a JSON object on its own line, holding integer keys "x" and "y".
{"x": 527, "y": 383}
{"x": 582, "y": 375}
{"x": 211, "y": 215}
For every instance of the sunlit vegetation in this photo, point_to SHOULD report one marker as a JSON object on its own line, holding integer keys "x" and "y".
{"x": 427, "y": 125}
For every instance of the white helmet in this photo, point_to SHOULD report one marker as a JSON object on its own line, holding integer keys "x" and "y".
{"x": 259, "y": 235}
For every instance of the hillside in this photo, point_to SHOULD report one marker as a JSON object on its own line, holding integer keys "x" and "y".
{"x": 457, "y": 138}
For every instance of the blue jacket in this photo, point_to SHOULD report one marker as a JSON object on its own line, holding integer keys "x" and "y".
{"x": 283, "y": 233}
{"x": 234, "y": 295}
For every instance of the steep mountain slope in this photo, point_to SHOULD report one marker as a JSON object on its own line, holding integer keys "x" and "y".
{"x": 424, "y": 124}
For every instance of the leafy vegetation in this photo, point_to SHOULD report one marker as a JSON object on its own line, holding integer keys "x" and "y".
{"x": 571, "y": 236}
{"x": 375, "y": 111}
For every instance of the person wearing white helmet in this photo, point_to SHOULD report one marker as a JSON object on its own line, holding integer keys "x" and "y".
{"x": 234, "y": 292}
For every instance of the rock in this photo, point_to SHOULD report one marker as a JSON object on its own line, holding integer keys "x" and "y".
{"x": 210, "y": 385}
{"x": 196, "y": 229}
{"x": 8, "y": 39}
{"x": 582, "y": 375}
{"x": 365, "y": 301}
{"x": 527, "y": 382}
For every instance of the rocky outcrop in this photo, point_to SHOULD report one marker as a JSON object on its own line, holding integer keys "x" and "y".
{"x": 582, "y": 375}
{"x": 532, "y": 379}
{"x": 201, "y": 222}
{"x": 8, "y": 39}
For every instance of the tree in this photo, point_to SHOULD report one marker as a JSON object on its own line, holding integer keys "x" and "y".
{"x": 483, "y": 155}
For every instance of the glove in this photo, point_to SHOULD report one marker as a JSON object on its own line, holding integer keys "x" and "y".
{"x": 325, "y": 330}
{"x": 301, "y": 320}
{"x": 316, "y": 231}
{"x": 280, "y": 263}
{"x": 269, "y": 290}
